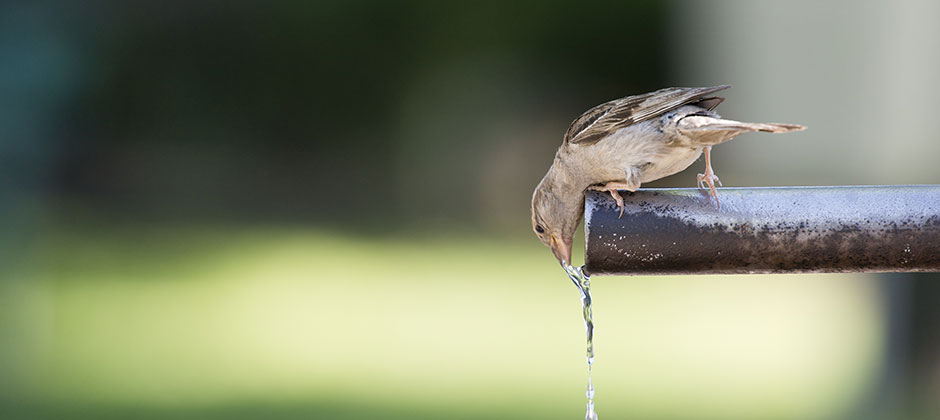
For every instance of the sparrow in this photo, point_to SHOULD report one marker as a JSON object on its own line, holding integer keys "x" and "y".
{"x": 619, "y": 145}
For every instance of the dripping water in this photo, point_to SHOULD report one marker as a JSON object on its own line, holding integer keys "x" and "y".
{"x": 583, "y": 281}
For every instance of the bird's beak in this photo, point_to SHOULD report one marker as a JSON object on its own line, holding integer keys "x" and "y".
{"x": 561, "y": 250}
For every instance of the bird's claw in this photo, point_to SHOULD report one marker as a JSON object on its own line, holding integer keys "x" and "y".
{"x": 710, "y": 179}
{"x": 709, "y": 176}
{"x": 702, "y": 182}
{"x": 613, "y": 194}
{"x": 619, "y": 200}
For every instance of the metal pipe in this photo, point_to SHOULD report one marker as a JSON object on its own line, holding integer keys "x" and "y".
{"x": 764, "y": 230}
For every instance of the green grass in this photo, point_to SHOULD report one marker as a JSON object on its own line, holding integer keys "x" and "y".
{"x": 188, "y": 322}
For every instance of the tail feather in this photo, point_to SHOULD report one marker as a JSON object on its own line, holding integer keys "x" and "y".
{"x": 710, "y": 131}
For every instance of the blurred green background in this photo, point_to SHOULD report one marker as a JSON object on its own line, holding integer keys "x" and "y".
{"x": 321, "y": 210}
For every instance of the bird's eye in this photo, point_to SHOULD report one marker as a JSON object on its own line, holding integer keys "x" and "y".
{"x": 538, "y": 228}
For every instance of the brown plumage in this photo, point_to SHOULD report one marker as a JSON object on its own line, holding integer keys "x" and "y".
{"x": 619, "y": 145}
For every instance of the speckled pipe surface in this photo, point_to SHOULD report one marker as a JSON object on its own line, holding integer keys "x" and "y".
{"x": 765, "y": 230}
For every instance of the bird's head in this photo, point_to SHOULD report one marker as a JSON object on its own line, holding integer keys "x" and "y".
{"x": 555, "y": 218}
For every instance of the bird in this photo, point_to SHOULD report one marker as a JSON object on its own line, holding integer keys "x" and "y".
{"x": 623, "y": 143}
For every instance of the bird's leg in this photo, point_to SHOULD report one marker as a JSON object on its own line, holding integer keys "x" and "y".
{"x": 709, "y": 176}
{"x": 612, "y": 188}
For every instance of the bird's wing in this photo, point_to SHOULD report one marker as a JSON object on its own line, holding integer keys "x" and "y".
{"x": 606, "y": 118}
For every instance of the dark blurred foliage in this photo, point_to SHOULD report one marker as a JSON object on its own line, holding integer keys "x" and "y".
{"x": 322, "y": 111}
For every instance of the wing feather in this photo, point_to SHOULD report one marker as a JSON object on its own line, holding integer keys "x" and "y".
{"x": 606, "y": 118}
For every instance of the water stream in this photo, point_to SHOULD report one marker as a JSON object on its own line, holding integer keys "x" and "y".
{"x": 583, "y": 282}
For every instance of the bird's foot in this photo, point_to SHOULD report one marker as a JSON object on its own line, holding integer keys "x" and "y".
{"x": 709, "y": 178}
{"x": 612, "y": 187}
